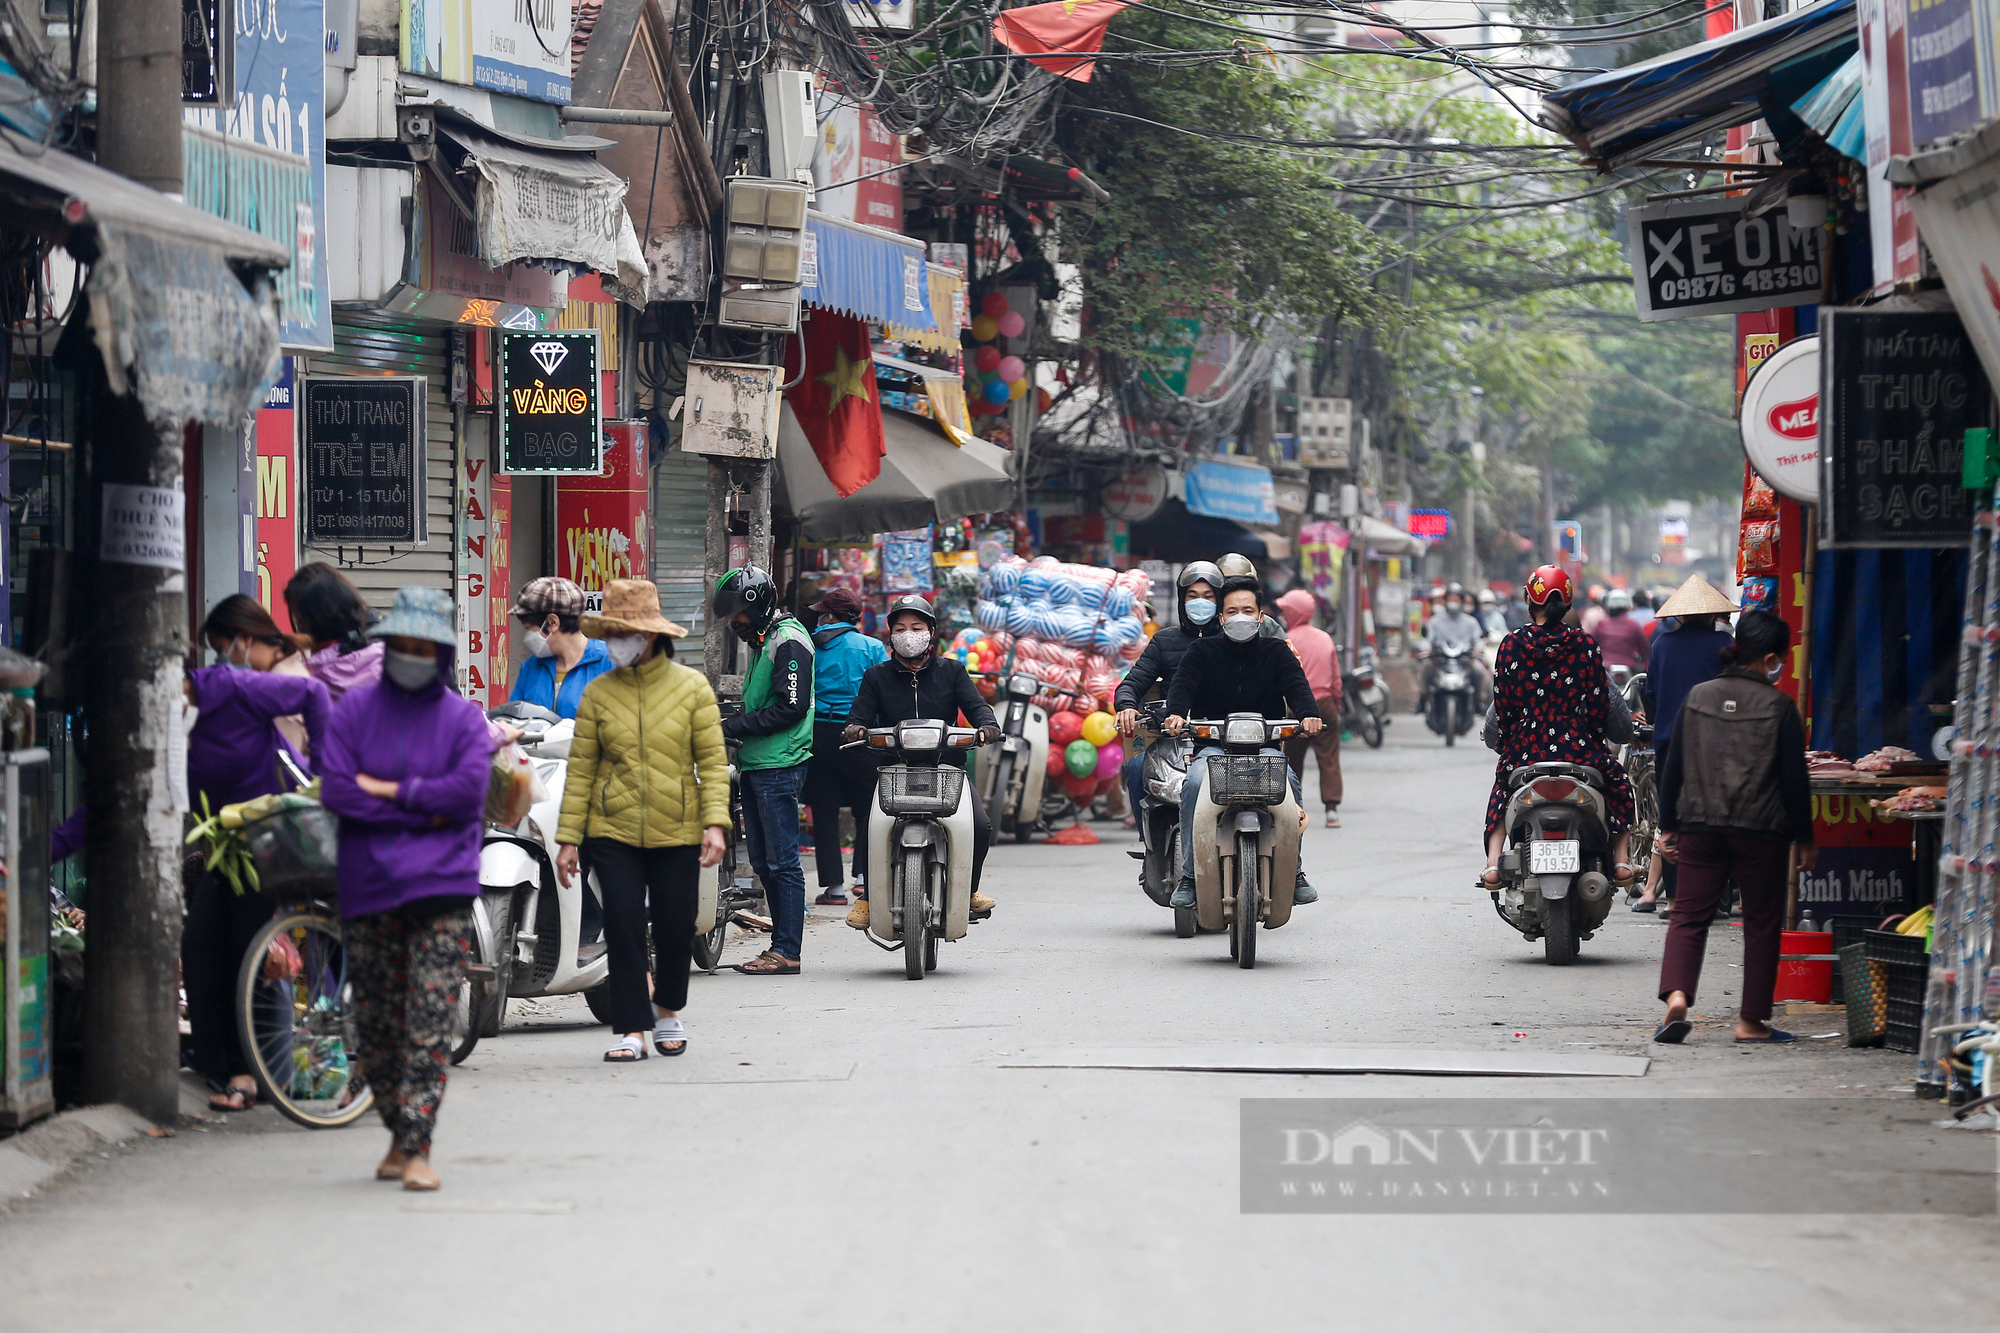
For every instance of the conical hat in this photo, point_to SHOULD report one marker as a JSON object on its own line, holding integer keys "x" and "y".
{"x": 1696, "y": 597}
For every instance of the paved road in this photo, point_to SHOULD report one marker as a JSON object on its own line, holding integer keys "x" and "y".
{"x": 845, "y": 1150}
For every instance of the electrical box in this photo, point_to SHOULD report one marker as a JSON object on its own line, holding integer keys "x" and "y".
{"x": 731, "y": 410}
{"x": 27, "y": 993}
{"x": 763, "y": 251}
{"x": 791, "y": 122}
{"x": 894, "y": 15}
{"x": 1326, "y": 429}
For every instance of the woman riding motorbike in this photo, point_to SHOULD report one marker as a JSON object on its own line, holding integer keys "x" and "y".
{"x": 1551, "y": 700}
{"x": 1200, "y": 586}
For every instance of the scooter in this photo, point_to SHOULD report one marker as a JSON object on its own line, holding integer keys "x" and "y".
{"x": 1247, "y": 825}
{"x": 1362, "y": 696}
{"x": 1162, "y": 775}
{"x": 1555, "y": 881}
{"x": 1013, "y": 773}
{"x": 526, "y": 925}
{"x": 1453, "y": 705}
{"x": 920, "y": 841}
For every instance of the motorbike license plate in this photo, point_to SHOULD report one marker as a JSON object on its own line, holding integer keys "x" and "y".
{"x": 1555, "y": 858}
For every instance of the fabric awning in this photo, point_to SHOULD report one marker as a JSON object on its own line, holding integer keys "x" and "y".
{"x": 1388, "y": 540}
{"x": 1833, "y": 110}
{"x": 1176, "y": 532}
{"x": 536, "y": 204}
{"x": 924, "y": 475}
{"x": 947, "y": 303}
{"x": 1627, "y": 114}
{"x": 868, "y": 273}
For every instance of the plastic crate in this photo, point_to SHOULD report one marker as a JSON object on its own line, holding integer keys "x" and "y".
{"x": 1866, "y": 995}
{"x": 1902, "y": 1036}
{"x": 1906, "y": 981}
{"x": 1886, "y": 946}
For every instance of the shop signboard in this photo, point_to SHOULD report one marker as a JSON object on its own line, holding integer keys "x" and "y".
{"x": 1239, "y": 492}
{"x": 1885, "y": 111}
{"x": 1943, "y": 54}
{"x": 1137, "y": 495}
{"x": 1433, "y": 525}
{"x": 550, "y": 403}
{"x": 481, "y": 569}
{"x": 455, "y": 285}
{"x": 856, "y": 166}
{"x": 1864, "y": 860}
{"x": 361, "y": 447}
{"x": 1898, "y": 390}
{"x": 602, "y": 521}
{"x": 1706, "y": 257}
{"x": 517, "y": 47}
{"x": 1778, "y": 420}
{"x": 276, "y": 510}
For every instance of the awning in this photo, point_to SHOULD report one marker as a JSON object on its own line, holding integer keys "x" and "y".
{"x": 1832, "y": 110}
{"x": 1627, "y": 114}
{"x": 947, "y": 304}
{"x": 944, "y": 394}
{"x": 1388, "y": 540}
{"x": 537, "y": 204}
{"x": 176, "y": 324}
{"x": 923, "y": 476}
{"x": 866, "y": 272}
{"x": 1176, "y": 533}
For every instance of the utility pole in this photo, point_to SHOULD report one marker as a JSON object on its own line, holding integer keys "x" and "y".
{"x": 132, "y": 685}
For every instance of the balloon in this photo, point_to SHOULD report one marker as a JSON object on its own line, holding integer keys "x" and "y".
{"x": 988, "y": 691}
{"x": 1010, "y": 368}
{"x": 985, "y": 328}
{"x": 1011, "y": 324}
{"x": 986, "y": 358}
{"x": 1043, "y": 400}
{"x": 1110, "y": 760}
{"x": 994, "y": 304}
{"x": 1058, "y": 767}
{"x": 995, "y": 392}
{"x": 1017, "y": 388}
{"x": 1081, "y": 790}
{"x": 1081, "y": 757}
{"x": 1099, "y": 729}
{"x": 1064, "y": 727}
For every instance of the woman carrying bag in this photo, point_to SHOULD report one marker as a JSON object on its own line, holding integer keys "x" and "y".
{"x": 647, "y": 797}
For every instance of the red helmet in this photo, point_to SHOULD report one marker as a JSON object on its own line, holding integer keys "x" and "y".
{"x": 1546, "y": 582}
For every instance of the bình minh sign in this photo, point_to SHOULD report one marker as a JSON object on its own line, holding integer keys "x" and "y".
{"x": 361, "y": 459}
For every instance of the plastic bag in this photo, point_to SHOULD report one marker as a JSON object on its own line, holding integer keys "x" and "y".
{"x": 1760, "y": 593}
{"x": 1760, "y": 547}
{"x": 511, "y": 786}
{"x": 1759, "y": 501}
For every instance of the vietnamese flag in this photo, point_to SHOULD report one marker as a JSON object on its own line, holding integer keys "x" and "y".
{"x": 1063, "y": 38}
{"x": 836, "y": 401}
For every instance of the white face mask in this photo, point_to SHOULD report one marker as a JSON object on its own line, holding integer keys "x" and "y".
{"x": 538, "y": 643}
{"x": 407, "y": 671}
{"x": 625, "y": 649}
{"x": 1200, "y": 610}
{"x": 1773, "y": 673}
{"x": 911, "y": 643}
{"x": 1243, "y": 627}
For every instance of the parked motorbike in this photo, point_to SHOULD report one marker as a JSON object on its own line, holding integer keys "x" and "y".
{"x": 1453, "y": 695}
{"x": 1555, "y": 875}
{"x": 1013, "y": 774}
{"x": 1364, "y": 704}
{"x": 920, "y": 841}
{"x": 729, "y": 886}
{"x": 1163, "y": 773}
{"x": 527, "y": 926}
{"x": 1638, "y": 758}
{"x": 1245, "y": 838}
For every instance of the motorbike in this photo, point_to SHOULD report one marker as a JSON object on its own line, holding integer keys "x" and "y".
{"x": 1453, "y": 701}
{"x": 1013, "y": 774}
{"x": 1638, "y": 759}
{"x": 1364, "y": 704}
{"x": 923, "y": 892}
{"x": 729, "y": 886}
{"x": 1555, "y": 874}
{"x": 527, "y": 927}
{"x": 1163, "y": 772}
{"x": 1245, "y": 837}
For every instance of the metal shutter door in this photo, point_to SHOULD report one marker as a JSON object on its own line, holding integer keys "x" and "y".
{"x": 680, "y": 531}
{"x": 400, "y": 349}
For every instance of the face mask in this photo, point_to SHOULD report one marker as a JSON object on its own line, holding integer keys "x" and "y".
{"x": 1200, "y": 610}
{"x": 538, "y": 643}
{"x": 1775, "y": 672}
{"x": 407, "y": 671}
{"x": 1241, "y": 629}
{"x": 911, "y": 643}
{"x": 625, "y": 649}
{"x": 224, "y": 659}
{"x": 743, "y": 632}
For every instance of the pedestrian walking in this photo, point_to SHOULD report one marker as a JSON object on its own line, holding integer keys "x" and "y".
{"x": 561, "y": 658}
{"x": 331, "y": 616}
{"x": 233, "y": 755}
{"x": 1685, "y": 652}
{"x": 1734, "y": 802}
{"x": 406, "y": 765}
{"x": 1316, "y": 654}
{"x": 775, "y": 730}
{"x": 836, "y": 778}
{"x": 647, "y": 801}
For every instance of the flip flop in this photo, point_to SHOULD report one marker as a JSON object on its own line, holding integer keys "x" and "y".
{"x": 1778, "y": 1037}
{"x": 1673, "y": 1032}
{"x": 616, "y": 1056}
{"x": 768, "y": 964}
{"x": 669, "y": 1032}
{"x": 249, "y": 1096}
{"x": 831, "y": 898}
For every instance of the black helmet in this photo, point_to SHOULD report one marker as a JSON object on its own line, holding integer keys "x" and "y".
{"x": 911, "y": 601}
{"x": 1197, "y": 571}
{"x": 748, "y": 589}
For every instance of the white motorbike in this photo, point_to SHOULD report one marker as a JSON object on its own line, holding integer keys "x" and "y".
{"x": 1013, "y": 773}
{"x": 920, "y": 841}
{"x": 1247, "y": 825}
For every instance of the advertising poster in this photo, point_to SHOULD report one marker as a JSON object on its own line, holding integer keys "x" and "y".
{"x": 906, "y": 561}
{"x": 276, "y": 513}
{"x": 602, "y": 522}
{"x": 517, "y": 47}
{"x": 855, "y": 144}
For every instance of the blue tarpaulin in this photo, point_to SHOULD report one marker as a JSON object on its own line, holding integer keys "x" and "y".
{"x": 867, "y": 272}
{"x": 1627, "y": 114}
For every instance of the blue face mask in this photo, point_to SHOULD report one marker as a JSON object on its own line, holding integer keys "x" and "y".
{"x": 1200, "y": 610}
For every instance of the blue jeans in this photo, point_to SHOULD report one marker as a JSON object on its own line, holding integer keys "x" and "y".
{"x": 771, "y": 827}
{"x": 1135, "y": 787}
{"x": 1191, "y": 797}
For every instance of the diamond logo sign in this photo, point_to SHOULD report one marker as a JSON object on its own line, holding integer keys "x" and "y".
{"x": 548, "y": 355}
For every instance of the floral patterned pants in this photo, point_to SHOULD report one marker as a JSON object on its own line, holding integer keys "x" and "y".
{"x": 406, "y": 967}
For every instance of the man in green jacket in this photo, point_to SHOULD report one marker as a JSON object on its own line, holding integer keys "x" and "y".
{"x": 774, "y": 734}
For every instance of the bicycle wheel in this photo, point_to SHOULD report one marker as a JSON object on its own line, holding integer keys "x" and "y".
{"x": 292, "y": 1016}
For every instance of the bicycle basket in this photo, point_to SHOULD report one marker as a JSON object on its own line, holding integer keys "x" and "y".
{"x": 295, "y": 849}
{"x": 905, "y": 790}
{"x": 1247, "y": 779}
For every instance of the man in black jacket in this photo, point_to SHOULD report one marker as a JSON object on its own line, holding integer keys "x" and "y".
{"x": 1240, "y": 672}
{"x": 1200, "y": 584}
{"x": 916, "y": 683}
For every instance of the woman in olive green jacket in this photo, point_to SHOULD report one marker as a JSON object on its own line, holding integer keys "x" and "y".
{"x": 647, "y": 797}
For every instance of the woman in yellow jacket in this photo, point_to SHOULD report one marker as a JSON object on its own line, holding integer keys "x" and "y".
{"x": 647, "y": 797}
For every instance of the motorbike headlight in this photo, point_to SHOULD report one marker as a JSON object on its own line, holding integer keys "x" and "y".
{"x": 1023, "y": 685}
{"x": 1243, "y": 731}
{"x": 1172, "y": 785}
{"x": 920, "y": 738}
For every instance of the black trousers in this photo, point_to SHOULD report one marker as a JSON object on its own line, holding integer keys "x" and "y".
{"x": 659, "y": 884}
{"x": 220, "y": 925}
{"x": 835, "y": 779}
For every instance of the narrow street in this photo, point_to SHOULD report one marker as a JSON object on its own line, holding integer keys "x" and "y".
{"x": 849, "y": 1150}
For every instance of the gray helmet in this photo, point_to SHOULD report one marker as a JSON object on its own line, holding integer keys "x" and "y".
{"x": 1234, "y": 566}
{"x": 1197, "y": 571}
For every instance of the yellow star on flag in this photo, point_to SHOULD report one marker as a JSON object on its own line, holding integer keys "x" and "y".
{"x": 848, "y": 378}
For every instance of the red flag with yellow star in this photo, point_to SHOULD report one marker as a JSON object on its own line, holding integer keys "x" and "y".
{"x": 1062, "y": 37}
{"x": 836, "y": 401}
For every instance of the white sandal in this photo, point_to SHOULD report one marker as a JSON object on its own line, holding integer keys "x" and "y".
{"x": 632, "y": 1044}
{"x": 666, "y": 1030}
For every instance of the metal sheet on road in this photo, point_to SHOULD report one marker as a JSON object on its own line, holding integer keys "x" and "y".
{"x": 1335, "y": 1060}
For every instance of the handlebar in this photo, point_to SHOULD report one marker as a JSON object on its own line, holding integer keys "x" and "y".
{"x": 1269, "y": 730}
{"x": 918, "y": 736}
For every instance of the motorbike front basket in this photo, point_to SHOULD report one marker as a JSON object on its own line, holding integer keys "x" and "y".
{"x": 906, "y": 790}
{"x": 1247, "y": 779}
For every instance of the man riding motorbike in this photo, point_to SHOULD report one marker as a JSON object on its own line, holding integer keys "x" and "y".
{"x": 1240, "y": 672}
{"x": 1200, "y": 584}
{"x": 917, "y": 683}
{"x": 1453, "y": 627}
{"x": 1622, "y": 639}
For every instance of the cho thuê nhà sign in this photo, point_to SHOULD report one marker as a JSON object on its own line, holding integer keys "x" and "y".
{"x": 550, "y": 410}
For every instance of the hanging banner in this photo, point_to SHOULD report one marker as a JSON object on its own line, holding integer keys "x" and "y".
{"x": 1885, "y": 112}
{"x": 1943, "y": 57}
{"x": 361, "y": 446}
{"x": 1240, "y": 492}
{"x": 1322, "y": 554}
{"x": 550, "y": 414}
{"x": 1704, "y": 257}
{"x": 473, "y": 569}
{"x": 276, "y": 516}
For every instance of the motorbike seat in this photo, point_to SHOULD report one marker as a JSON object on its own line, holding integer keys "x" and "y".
{"x": 1527, "y": 773}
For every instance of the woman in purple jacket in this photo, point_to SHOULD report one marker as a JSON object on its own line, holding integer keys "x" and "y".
{"x": 404, "y": 765}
